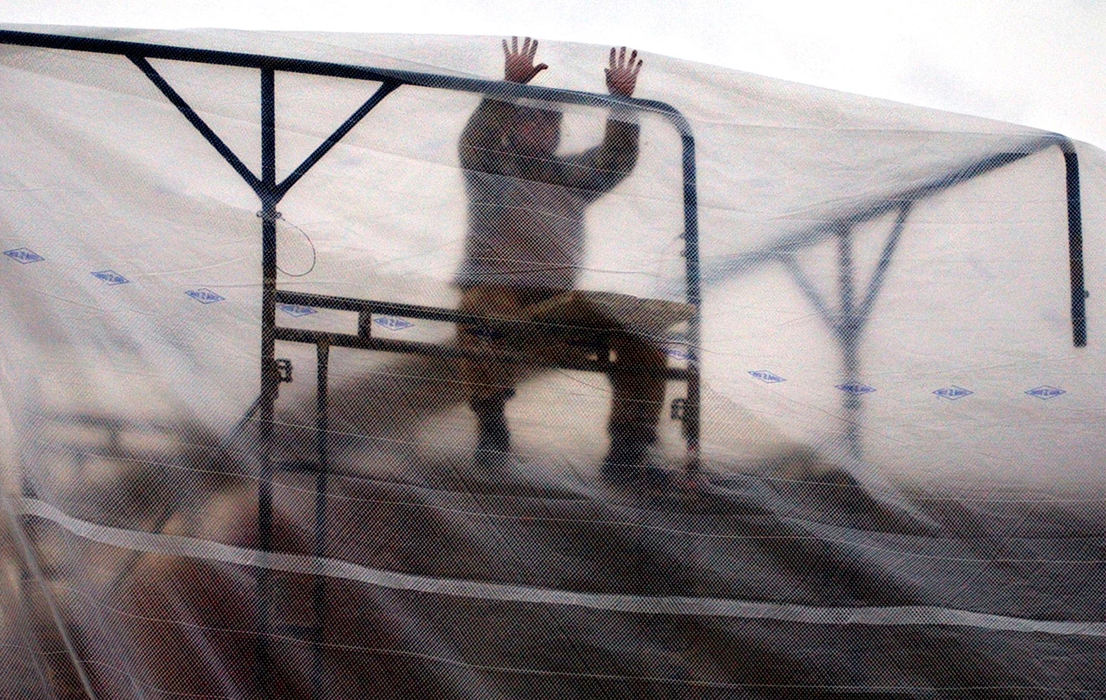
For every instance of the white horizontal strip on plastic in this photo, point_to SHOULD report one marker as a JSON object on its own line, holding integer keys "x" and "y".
{"x": 176, "y": 545}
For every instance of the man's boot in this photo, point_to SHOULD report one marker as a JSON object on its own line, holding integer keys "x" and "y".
{"x": 493, "y": 445}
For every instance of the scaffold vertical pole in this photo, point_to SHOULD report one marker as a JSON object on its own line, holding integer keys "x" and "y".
{"x": 269, "y": 378}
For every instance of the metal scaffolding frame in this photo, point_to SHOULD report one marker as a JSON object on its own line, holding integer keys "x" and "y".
{"x": 270, "y": 191}
{"x": 848, "y": 322}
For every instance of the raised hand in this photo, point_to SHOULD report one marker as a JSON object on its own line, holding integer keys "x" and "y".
{"x": 518, "y": 66}
{"x": 622, "y": 73}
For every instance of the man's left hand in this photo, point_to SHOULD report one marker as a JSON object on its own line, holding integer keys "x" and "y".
{"x": 622, "y": 73}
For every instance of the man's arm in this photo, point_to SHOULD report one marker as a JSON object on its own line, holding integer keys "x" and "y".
{"x": 599, "y": 169}
{"x": 482, "y": 140}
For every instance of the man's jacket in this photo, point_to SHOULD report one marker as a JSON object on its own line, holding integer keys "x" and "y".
{"x": 526, "y": 213}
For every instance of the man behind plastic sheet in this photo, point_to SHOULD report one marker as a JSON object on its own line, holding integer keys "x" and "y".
{"x": 526, "y": 242}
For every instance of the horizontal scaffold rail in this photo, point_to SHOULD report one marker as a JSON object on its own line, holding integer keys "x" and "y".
{"x": 365, "y": 341}
{"x": 336, "y": 70}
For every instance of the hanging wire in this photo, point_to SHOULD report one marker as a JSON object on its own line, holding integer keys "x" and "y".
{"x": 314, "y": 253}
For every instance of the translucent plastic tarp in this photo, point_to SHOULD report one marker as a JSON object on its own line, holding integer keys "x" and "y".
{"x": 741, "y": 388}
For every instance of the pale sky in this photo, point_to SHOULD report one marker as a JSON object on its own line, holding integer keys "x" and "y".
{"x": 1041, "y": 63}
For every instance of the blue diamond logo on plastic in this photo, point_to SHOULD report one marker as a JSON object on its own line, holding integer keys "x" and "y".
{"x": 766, "y": 376}
{"x": 1044, "y": 393}
{"x": 296, "y": 310}
{"x": 24, "y": 255}
{"x": 677, "y": 353}
{"x": 204, "y": 295}
{"x": 392, "y": 323}
{"x": 110, "y": 277}
{"x": 953, "y": 393}
{"x": 856, "y": 388}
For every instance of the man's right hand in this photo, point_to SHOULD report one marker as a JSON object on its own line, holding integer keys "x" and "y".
{"x": 518, "y": 66}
